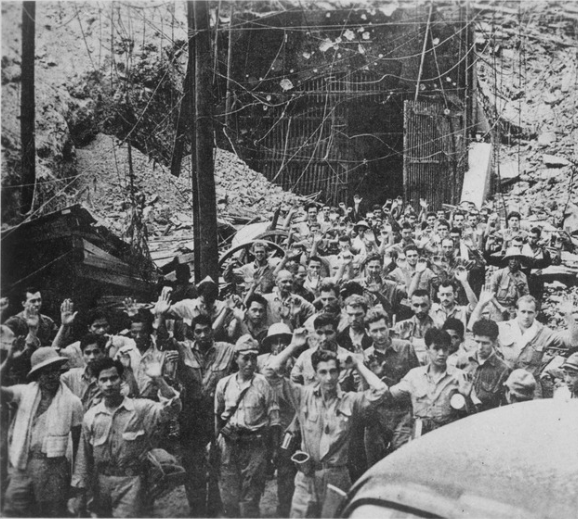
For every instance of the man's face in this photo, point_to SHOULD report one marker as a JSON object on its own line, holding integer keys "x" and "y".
{"x": 256, "y": 312}
{"x": 571, "y": 380}
{"x": 526, "y": 313}
{"x": 411, "y": 256}
{"x": 514, "y": 223}
{"x": 373, "y": 268}
{"x": 325, "y": 336}
{"x": 314, "y": 269}
{"x": 514, "y": 264}
{"x": 534, "y": 238}
{"x": 327, "y": 298}
{"x": 355, "y": 316}
{"x": 203, "y": 333}
{"x": 33, "y": 302}
{"x": 431, "y": 220}
{"x": 485, "y": 346}
{"x": 447, "y": 247}
{"x": 438, "y": 355}
{"x": 109, "y": 383}
{"x": 406, "y": 234}
{"x": 260, "y": 253}
{"x": 420, "y": 306}
{"x": 327, "y": 375}
{"x": 472, "y": 220}
{"x": 456, "y": 340}
{"x": 344, "y": 245}
{"x": 312, "y": 213}
{"x": 99, "y": 327}
{"x": 455, "y": 237}
{"x": 458, "y": 220}
{"x": 285, "y": 283}
{"x": 443, "y": 231}
{"x": 379, "y": 332}
{"x": 92, "y": 353}
{"x": 441, "y": 215}
{"x": 300, "y": 276}
{"x": 447, "y": 296}
{"x": 138, "y": 331}
{"x": 247, "y": 363}
{"x": 49, "y": 378}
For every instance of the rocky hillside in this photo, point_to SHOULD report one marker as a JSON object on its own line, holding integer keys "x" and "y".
{"x": 102, "y": 66}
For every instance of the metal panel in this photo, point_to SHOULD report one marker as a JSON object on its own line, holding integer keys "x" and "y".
{"x": 435, "y": 153}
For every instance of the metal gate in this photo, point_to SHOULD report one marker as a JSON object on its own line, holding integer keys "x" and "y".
{"x": 435, "y": 153}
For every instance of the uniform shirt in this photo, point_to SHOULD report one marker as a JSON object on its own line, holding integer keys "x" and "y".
{"x": 120, "y": 438}
{"x": 528, "y": 349}
{"x": 46, "y": 327}
{"x": 396, "y": 360}
{"x": 430, "y": 396}
{"x": 245, "y": 327}
{"x": 487, "y": 377}
{"x": 252, "y": 272}
{"x": 326, "y": 427}
{"x": 188, "y": 309}
{"x": 439, "y": 314}
{"x": 509, "y": 286}
{"x": 345, "y": 340}
{"x": 404, "y": 276}
{"x": 275, "y": 304}
{"x": 257, "y": 410}
{"x": 413, "y": 330}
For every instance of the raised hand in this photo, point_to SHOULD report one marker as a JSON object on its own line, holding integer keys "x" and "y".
{"x": 67, "y": 313}
{"x": 423, "y": 203}
{"x": 461, "y": 274}
{"x": 421, "y": 265}
{"x": 486, "y": 295}
{"x": 124, "y": 358}
{"x": 163, "y": 304}
{"x": 130, "y": 306}
{"x": 153, "y": 369}
{"x": 299, "y": 337}
{"x": 357, "y": 199}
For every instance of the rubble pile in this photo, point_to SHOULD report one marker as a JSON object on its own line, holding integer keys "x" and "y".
{"x": 528, "y": 76}
{"x": 105, "y": 190}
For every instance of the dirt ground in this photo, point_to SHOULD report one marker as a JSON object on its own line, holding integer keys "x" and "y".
{"x": 175, "y": 504}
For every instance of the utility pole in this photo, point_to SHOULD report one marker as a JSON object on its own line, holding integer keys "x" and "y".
{"x": 28, "y": 107}
{"x": 205, "y": 201}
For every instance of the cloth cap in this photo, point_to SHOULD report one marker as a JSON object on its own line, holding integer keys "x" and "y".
{"x": 44, "y": 357}
{"x": 246, "y": 344}
{"x": 521, "y": 383}
{"x": 571, "y": 362}
{"x": 277, "y": 330}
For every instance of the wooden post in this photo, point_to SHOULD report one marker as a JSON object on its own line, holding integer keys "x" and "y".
{"x": 204, "y": 146}
{"x": 28, "y": 107}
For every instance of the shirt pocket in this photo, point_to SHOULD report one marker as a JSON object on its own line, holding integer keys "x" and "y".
{"x": 134, "y": 443}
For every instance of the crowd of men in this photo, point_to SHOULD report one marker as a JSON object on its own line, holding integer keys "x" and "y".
{"x": 375, "y": 327}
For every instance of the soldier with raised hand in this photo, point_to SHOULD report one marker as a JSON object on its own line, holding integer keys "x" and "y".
{"x": 116, "y": 436}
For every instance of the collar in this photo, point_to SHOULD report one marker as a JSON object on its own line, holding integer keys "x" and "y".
{"x": 317, "y": 391}
{"x": 196, "y": 347}
{"x": 127, "y": 403}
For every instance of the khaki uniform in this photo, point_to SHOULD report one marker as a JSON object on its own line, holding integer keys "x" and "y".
{"x": 244, "y": 455}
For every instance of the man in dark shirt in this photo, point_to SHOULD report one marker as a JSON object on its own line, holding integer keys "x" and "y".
{"x": 486, "y": 370}
{"x": 390, "y": 359}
